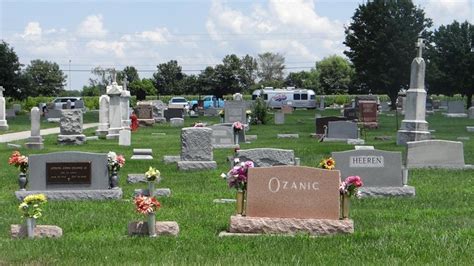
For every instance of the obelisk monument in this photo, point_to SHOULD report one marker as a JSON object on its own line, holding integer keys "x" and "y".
{"x": 414, "y": 127}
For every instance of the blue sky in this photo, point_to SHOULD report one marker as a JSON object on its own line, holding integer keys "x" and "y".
{"x": 116, "y": 33}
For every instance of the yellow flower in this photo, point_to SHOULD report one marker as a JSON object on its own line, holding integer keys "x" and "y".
{"x": 329, "y": 163}
{"x": 248, "y": 112}
{"x": 37, "y": 198}
{"x": 152, "y": 173}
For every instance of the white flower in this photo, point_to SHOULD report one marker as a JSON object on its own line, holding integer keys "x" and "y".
{"x": 236, "y": 161}
{"x": 223, "y": 175}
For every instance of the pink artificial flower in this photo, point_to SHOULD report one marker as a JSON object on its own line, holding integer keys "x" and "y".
{"x": 238, "y": 126}
{"x": 249, "y": 164}
{"x": 353, "y": 180}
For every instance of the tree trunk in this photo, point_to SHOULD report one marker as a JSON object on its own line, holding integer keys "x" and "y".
{"x": 469, "y": 100}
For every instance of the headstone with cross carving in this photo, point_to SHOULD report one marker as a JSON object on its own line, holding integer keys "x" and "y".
{"x": 3, "y": 120}
{"x": 414, "y": 127}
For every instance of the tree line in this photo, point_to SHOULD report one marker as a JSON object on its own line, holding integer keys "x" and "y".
{"x": 380, "y": 47}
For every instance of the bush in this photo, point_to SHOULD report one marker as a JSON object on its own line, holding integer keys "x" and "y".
{"x": 259, "y": 112}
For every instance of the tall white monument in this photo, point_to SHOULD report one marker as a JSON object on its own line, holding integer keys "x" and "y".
{"x": 414, "y": 127}
{"x": 103, "y": 128}
{"x": 114, "y": 91}
{"x": 3, "y": 120}
{"x": 125, "y": 105}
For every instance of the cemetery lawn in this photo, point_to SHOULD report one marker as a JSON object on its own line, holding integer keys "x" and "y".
{"x": 435, "y": 227}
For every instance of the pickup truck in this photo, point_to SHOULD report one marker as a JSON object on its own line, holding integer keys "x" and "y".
{"x": 208, "y": 102}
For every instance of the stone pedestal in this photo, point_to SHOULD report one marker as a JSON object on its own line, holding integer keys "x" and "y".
{"x": 140, "y": 228}
{"x": 414, "y": 127}
{"x": 71, "y": 127}
{"x": 35, "y": 141}
{"x": 40, "y": 231}
{"x": 125, "y": 108}
{"x": 241, "y": 225}
{"x": 103, "y": 127}
{"x": 3, "y": 121}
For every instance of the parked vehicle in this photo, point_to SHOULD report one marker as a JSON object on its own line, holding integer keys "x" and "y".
{"x": 208, "y": 101}
{"x": 297, "y": 98}
{"x": 179, "y": 102}
{"x": 61, "y": 102}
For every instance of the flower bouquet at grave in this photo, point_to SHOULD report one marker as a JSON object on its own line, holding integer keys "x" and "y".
{"x": 222, "y": 113}
{"x": 347, "y": 188}
{"x": 152, "y": 174}
{"x": 114, "y": 161}
{"x": 237, "y": 126}
{"x": 237, "y": 178}
{"x": 148, "y": 206}
{"x": 248, "y": 114}
{"x": 31, "y": 206}
{"x": 327, "y": 163}
{"x": 198, "y": 124}
{"x": 19, "y": 161}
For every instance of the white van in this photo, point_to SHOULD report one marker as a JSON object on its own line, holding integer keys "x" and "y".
{"x": 297, "y": 98}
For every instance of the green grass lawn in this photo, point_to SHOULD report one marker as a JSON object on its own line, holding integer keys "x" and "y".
{"x": 435, "y": 227}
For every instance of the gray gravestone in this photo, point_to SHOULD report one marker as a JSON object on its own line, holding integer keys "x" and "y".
{"x": 471, "y": 112}
{"x": 241, "y": 133}
{"x": 222, "y": 137}
{"x": 435, "y": 154}
{"x": 235, "y": 111}
{"x": 342, "y": 130}
{"x": 142, "y": 154}
{"x": 381, "y": 171}
{"x": 173, "y": 113}
{"x": 279, "y": 118}
{"x": 9, "y": 113}
{"x": 71, "y": 127}
{"x": 103, "y": 116}
{"x": 69, "y": 176}
{"x": 456, "y": 107}
{"x": 35, "y": 141}
{"x": 177, "y": 122}
{"x": 265, "y": 157}
{"x": 196, "y": 149}
{"x": 114, "y": 91}
{"x": 17, "y": 108}
{"x": 125, "y": 137}
{"x": 3, "y": 120}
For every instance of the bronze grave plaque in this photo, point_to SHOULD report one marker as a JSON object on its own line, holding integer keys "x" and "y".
{"x": 66, "y": 173}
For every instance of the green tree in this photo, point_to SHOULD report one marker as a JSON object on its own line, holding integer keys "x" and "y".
{"x": 102, "y": 77}
{"x": 335, "y": 75}
{"x": 381, "y": 41}
{"x": 207, "y": 81}
{"x": 270, "y": 68}
{"x": 144, "y": 84}
{"x": 10, "y": 77}
{"x": 248, "y": 72}
{"x": 168, "y": 77}
{"x": 227, "y": 76}
{"x": 130, "y": 72}
{"x": 90, "y": 91}
{"x": 451, "y": 61}
{"x": 45, "y": 78}
{"x": 296, "y": 79}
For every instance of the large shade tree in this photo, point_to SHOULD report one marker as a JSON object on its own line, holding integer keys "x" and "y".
{"x": 270, "y": 69}
{"x": 168, "y": 78}
{"x": 10, "y": 72}
{"x": 451, "y": 64}
{"x": 335, "y": 75}
{"x": 381, "y": 40}
{"x": 44, "y": 78}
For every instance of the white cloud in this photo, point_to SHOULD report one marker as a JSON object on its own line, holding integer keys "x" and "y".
{"x": 445, "y": 11}
{"x": 32, "y": 31}
{"x": 92, "y": 27}
{"x": 159, "y": 35}
{"x": 105, "y": 47}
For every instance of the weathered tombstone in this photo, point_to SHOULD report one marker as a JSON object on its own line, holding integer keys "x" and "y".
{"x": 222, "y": 137}
{"x": 71, "y": 127}
{"x": 125, "y": 106}
{"x": 414, "y": 127}
{"x": 385, "y": 107}
{"x": 322, "y": 123}
{"x": 381, "y": 171}
{"x": 443, "y": 104}
{"x": 103, "y": 116}
{"x": 290, "y": 200}
{"x": 235, "y": 111}
{"x": 286, "y": 109}
{"x": 350, "y": 113}
{"x": 471, "y": 112}
{"x": 3, "y": 120}
{"x": 456, "y": 109}
{"x": 53, "y": 114}
{"x": 79, "y": 104}
{"x": 279, "y": 118}
{"x": 16, "y": 108}
{"x": 436, "y": 104}
{"x": 368, "y": 114}
{"x": 142, "y": 154}
{"x": 9, "y": 113}
{"x": 125, "y": 137}
{"x": 144, "y": 114}
{"x": 429, "y": 106}
{"x": 114, "y": 92}
{"x": 321, "y": 103}
{"x": 35, "y": 141}
{"x": 69, "y": 176}
{"x": 196, "y": 149}
{"x": 177, "y": 122}
{"x": 241, "y": 133}
{"x": 265, "y": 157}
{"x": 173, "y": 113}
{"x": 342, "y": 130}
{"x": 435, "y": 154}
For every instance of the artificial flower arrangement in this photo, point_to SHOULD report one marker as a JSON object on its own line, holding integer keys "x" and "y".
{"x": 198, "y": 124}
{"x": 19, "y": 161}
{"x": 31, "y": 206}
{"x": 146, "y": 205}
{"x": 237, "y": 126}
{"x": 248, "y": 112}
{"x": 152, "y": 174}
{"x": 327, "y": 163}
{"x": 114, "y": 161}
{"x": 222, "y": 113}
{"x": 237, "y": 176}
{"x": 350, "y": 186}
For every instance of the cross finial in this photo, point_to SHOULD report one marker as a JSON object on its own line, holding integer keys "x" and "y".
{"x": 420, "y": 44}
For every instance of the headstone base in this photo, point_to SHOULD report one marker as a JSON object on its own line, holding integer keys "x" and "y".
{"x": 41, "y": 231}
{"x": 96, "y": 194}
{"x": 35, "y": 143}
{"x": 168, "y": 159}
{"x": 72, "y": 139}
{"x": 196, "y": 165}
{"x": 380, "y": 192}
{"x": 141, "y": 157}
{"x": 146, "y": 122}
{"x": 288, "y": 136}
{"x": 289, "y": 226}
{"x": 140, "y": 228}
{"x": 225, "y": 146}
{"x": 404, "y": 136}
{"x": 370, "y": 125}
{"x": 160, "y": 192}
{"x": 139, "y": 178}
{"x": 353, "y": 141}
{"x": 3, "y": 125}
{"x": 460, "y": 115}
